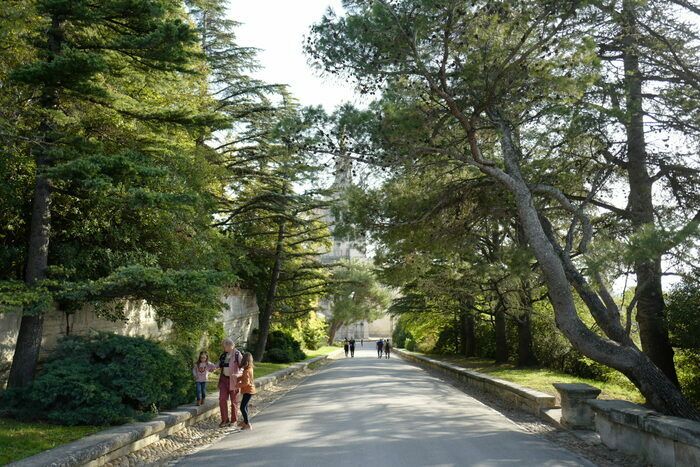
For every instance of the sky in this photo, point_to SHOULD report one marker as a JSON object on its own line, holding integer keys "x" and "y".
{"x": 278, "y": 28}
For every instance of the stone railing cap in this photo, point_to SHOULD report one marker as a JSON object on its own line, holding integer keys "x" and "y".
{"x": 631, "y": 414}
{"x": 576, "y": 388}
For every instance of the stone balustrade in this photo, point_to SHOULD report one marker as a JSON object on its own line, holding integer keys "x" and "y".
{"x": 575, "y": 412}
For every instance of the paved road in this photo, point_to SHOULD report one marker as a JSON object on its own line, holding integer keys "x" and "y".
{"x": 370, "y": 412}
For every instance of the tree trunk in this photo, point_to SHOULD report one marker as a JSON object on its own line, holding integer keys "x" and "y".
{"x": 525, "y": 355}
{"x": 651, "y": 315}
{"x": 468, "y": 341}
{"x": 266, "y": 313}
{"x": 28, "y": 344}
{"x": 622, "y": 354}
{"x": 332, "y": 330}
{"x": 501, "y": 334}
{"x": 658, "y": 389}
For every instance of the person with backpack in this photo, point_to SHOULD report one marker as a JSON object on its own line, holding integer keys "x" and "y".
{"x": 380, "y": 347}
{"x": 387, "y": 348}
{"x": 230, "y": 365}
{"x": 352, "y": 347}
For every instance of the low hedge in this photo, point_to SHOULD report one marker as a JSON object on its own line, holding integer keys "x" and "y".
{"x": 281, "y": 347}
{"x": 103, "y": 379}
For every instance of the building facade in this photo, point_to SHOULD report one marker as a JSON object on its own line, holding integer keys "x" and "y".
{"x": 344, "y": 248}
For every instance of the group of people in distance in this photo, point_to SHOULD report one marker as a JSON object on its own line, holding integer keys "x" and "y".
{"x": 236, "y": 376}
{"x": 349, "y": 346}
{"x": 383, "y": 348}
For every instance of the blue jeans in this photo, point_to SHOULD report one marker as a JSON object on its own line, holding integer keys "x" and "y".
{"x": 201, "y": 389}
{"x": 244, "y": 406}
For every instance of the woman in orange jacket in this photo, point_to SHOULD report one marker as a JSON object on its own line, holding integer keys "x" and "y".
{"x": 246, "y": 385}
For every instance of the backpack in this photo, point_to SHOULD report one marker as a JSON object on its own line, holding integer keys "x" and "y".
{"x": 237, "y": 355}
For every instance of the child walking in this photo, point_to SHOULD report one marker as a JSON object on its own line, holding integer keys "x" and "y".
{"x": 201, "y": 372}
{"x": 246, "y": 384}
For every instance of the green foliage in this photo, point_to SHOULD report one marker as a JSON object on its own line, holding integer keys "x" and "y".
{"x": 102, "y": 379}
{"x": 313, "y": 331}
{"x": 356, "y": 294}
{"x": 283, "y": 348}
{"x": 131, "y": 186}
{"x": 683, "y": 311}
{"x": 688, "y": 366}
{"x": 309, "y": 328}
{"x": 401, "y": 333}
{"x": 481, "y": 96}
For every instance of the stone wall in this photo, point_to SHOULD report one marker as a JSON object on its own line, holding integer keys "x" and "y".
{"x": 657, "y": 439}
{"x": 239, "y": 316}
{"x": 140, "y": 321}
{"x": 527, "y": 399}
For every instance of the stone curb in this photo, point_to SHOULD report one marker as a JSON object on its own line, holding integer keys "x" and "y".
{"x": 107, "y": 445}
{"x": 534, "y": 402}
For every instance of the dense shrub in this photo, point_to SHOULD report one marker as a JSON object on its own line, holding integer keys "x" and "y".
{"x": 683, "y": 311}
{"x": 102, "y": 379}
{"x": 313, "y": 331}
{"x": 400, "y": 334}
{"x": 410, "y": 344}
{"x": 554, "y": 351}
{"x": 281, "y": 347}
{"x": 447, "y": 341}
{"x": 684, "y": 327}
{"x": 485, "y": 336}
{"x": 688, "y": 367}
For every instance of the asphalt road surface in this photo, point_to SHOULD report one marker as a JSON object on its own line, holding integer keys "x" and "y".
{"x": 370, "y": 412}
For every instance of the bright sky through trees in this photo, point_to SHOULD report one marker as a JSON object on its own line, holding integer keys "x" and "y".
{"x": 277, "y": 28}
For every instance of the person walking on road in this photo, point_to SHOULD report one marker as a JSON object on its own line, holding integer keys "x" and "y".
{"x": 380, "y": 347}
{"x": 246, "y": 384}
{"x": 387, "y": 348}
{"x": 352, "y": 347}
{"x": 230, "y": 366}
{"x": 346, "y": 346}
{"x": 362, "y": 343}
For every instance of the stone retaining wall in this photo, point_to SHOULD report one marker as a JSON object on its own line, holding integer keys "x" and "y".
{"x": 657, "y": 439}
{"x": 239, "y": 316}
{"x": 527, "y": 399}
{"x": 107, "y": 445}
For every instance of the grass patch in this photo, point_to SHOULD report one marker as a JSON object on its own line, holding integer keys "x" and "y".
{"x": 541, "y": 379}
{"x": 20, "y": 439}
{"x": 325, "y": 350}
{"x": 265, "y": 368}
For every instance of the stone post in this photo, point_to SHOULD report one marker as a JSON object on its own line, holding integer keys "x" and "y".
{"x": 575, "y": 413}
